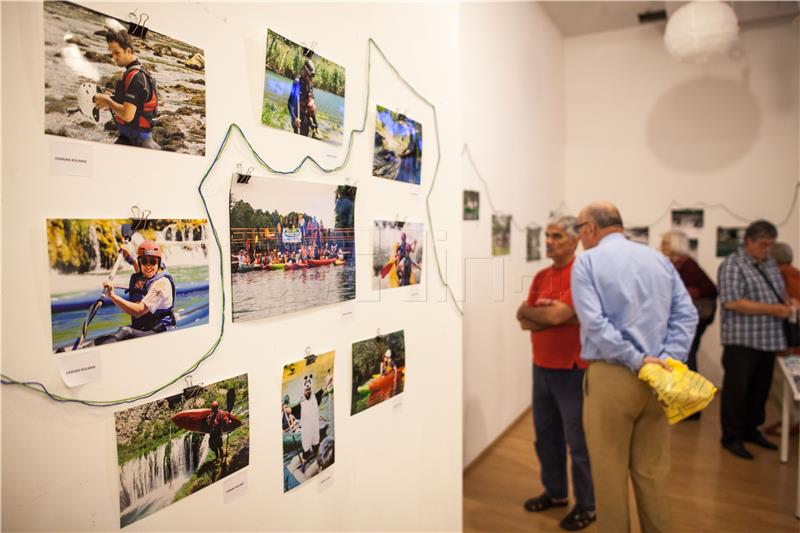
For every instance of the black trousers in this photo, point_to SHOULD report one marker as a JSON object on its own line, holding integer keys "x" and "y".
{"x": 691, "y": 361}
{"x": 558, "y": 420}
{"x": 745, "y": 388}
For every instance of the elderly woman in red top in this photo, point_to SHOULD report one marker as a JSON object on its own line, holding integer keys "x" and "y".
{"x": 675, "y": 245}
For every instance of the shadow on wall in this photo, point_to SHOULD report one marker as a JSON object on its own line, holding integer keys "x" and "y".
{"x": 703, "y": 125}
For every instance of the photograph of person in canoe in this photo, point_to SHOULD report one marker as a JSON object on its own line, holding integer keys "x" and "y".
{"x": 171, "y": 448}
{"x": 307, "y": 418}
{"x": 292, "y": 246}
{"x": 303, "y": 91}
{"x": 379, "y": 370}
{"x": 397, "y": 253}
{"x": 728, "y": 240}
{"x": 398, "y": 147}
{"x": 103, "y": 84}
{"x": 112, "y": 280}
{"x": 501, "y": 234}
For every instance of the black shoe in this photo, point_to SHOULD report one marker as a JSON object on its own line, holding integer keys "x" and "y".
{"x": 737, "y": 448}
{"x": 577, "y": 520}
{"x": 758, "y": 439}
{"x": 542, "y": 503}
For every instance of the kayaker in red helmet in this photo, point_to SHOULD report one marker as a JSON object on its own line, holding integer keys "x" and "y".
{"x": 151, "y": 296}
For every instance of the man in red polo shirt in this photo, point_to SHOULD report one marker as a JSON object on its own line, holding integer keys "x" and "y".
{"x": 558, "y": 380}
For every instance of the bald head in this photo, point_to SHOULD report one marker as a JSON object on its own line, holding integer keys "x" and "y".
{"x": 597, "y": 220}
{"x": 604, "y": 214}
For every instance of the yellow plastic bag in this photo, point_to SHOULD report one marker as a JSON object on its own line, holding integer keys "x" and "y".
{"x": 681, "y": 392}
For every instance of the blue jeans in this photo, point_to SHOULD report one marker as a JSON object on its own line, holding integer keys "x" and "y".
{"x": 558, "y": 421}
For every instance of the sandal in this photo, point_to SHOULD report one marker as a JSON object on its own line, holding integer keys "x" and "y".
{"x": 543, "y": 503}
{"x": 578, "y": 519}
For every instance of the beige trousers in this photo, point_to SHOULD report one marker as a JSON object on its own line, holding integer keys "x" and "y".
{"x": 627, "y": 434}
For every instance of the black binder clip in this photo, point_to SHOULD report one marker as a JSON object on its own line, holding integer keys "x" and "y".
{"x": 310, "y": 357}
{"x": 379, "y": 337}
{"x": 136, "y": 26}
{"x": 139, "y": 218}
{"x": 243, "y": 177}
{"x": 308, "y": 51}
{"x": 191, "y": 390}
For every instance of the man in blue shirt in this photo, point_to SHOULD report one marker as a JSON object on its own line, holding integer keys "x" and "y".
{"x": 633, "y": 309}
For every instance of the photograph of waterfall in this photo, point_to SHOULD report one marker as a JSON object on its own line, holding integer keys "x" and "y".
{"x": 171, "y": 448}
{"x": 112, "y": 280}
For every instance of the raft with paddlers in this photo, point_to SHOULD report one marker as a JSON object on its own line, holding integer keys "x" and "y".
{"x": 196, "y": 420}
{"x": 379, "y": 382}
{"x": 321, "y": 262}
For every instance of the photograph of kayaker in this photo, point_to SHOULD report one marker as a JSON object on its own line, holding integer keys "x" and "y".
{"x": 292, "y": 246}
{"x": 379, "y": 370}
{"x": 728, "y": 240}
{"x": 472, "y": 205}
{"x": 398, "y": 147}
{"x": 640, "y": 234}
{"x": 501, "y": 234}
{"x": 307, "y": 418}
{"x": 103, "y": 84}
{"x": 533, "y": 246}
{"x": 171, "y": 448}
{"x": 112, "y": 280}
{"x": 303, "y": 91}
{"x": 397, "y": 253}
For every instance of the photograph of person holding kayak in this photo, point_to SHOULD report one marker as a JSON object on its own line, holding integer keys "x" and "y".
{"x": 398, "y": 147}
{"x": 303, "y": 91}
{"x": 112, "y": 280}
{"x": 379, "y": 370}
{"x": 307, "y": 418}
{"x": 292, "y": 246}
{"x": 397, "y": 253}
{"x": 175, "y": 446}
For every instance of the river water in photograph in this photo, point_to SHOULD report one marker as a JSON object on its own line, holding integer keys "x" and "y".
{"x": 266, "y": 293}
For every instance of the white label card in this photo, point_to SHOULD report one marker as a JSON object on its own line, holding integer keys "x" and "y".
{"x": 71, "y": 159}
{"x": 325, "y": 481}
{"x": 80, "y": 368}
{"x": 348, "y": 310}
{"x": 234, "y": 487}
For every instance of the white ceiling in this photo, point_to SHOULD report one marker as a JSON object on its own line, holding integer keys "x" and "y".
{"x": 579, "y": 18}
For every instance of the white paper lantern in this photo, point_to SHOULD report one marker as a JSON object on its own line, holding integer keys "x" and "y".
{"x": 700, "y": 31}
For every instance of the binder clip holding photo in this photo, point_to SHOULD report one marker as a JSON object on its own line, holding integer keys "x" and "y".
{"x": 136, "y": 26}
{"x": 243, "y": 177}
{"x": 139, "y": 218}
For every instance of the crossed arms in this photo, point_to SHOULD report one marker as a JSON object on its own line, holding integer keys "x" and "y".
{"x": 545, "y": 313}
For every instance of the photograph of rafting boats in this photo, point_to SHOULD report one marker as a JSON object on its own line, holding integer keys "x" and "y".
{"x": 397, "y": 253}
{"x": 158, "y": 270}
{"x": 303, "y": 91}
{"x": 157, "y": 83}
{"x": 292, "y": 246}
{"x": 379, "y": 370}
{"x": 398, "y": 147}
{"x": 171, "y": 448}
{"x": 307, "y": 418}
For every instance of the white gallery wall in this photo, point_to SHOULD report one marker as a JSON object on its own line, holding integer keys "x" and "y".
{"x": 643, "y": 130}
{"x": 398, "y": 465}
{"x": 512, "y": 89}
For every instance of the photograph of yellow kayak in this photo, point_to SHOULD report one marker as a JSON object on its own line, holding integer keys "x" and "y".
{"x": 397, "y": 254}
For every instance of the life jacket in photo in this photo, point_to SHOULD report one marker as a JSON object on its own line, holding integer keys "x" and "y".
{"x": 162, "y": 319}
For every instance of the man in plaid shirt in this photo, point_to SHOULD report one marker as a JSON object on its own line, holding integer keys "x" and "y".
{"x": 754, "y": 304}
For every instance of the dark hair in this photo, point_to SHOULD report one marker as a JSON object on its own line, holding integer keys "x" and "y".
{"x": 760, "y": 229}
{"x": 121, "y": 37}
